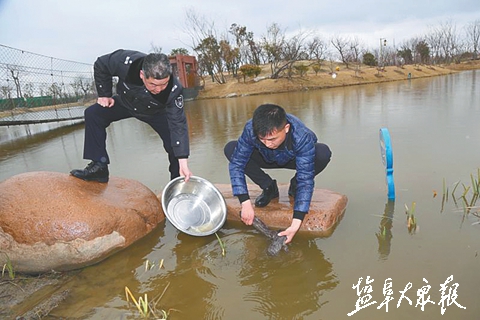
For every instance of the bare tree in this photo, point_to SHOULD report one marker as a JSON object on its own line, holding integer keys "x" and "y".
{"x": 473, "y": 37}
{"x": 355, "y": 54}
{"x": 249, "y": 50}
{"x": 231, "y": 56}
{"x": 29, "y": 90}
{"x": 6, "y": 93}
{"x": 15, "y": 73}
{"x": 317, "y": 49}
{"x": 342, "y": 45}
{"x": 434, "y": 40}
{"x": 210, "y": 55}
{"x": 447, "y": 39}
{"x": 155, "y": 48}
{"x": 293, "y": 51}
{"x": 82, "y": 85}
{"x": 206, "y": 44}
{"x": 56, "y": 91}
{"x": 273, "y": 42}
{"x": 283, "y": 52}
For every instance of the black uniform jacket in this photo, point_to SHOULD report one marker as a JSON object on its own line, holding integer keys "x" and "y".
{"x": 126, "y": 65}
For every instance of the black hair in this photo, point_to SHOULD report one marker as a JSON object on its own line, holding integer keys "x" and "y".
{"x": 267, "y": 119}
{"x": 157, "y": 66}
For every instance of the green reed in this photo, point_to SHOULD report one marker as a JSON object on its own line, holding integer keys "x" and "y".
{"x": 469, "y": 195}
{"x": 148, "y": 308}
{"x": 222, "y": 245}
{"x": 7, "y": 266}
{"x": 411, "y": 220}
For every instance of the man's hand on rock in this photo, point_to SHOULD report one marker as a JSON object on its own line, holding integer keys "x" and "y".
{"x": 247, "y": 214}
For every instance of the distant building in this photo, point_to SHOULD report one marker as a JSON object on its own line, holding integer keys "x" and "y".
{"x": 185, "y": 69}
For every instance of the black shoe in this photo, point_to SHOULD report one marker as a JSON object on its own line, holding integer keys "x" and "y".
{"x": 267, "y": 195}
{"x": 292, "y": 189}
{"x": 94, "y": 171}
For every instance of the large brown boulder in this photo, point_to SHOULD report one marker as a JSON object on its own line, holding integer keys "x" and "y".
{"x": 53, "y": 221}
{"x": 326, "y": 209}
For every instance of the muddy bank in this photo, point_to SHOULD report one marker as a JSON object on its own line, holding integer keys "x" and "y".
{"x": 236, "y": 87}
{"x": 32, "y": 297}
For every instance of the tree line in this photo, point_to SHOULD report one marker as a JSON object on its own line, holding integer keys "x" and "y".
{"x": 221, "y": 52}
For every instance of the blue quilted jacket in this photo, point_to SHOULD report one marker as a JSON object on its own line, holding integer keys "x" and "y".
{"x": 299, "y": 146}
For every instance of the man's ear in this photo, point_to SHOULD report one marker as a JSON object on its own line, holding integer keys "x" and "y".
{"x": 142, "y": 75}
{"x": 287, "y": 127}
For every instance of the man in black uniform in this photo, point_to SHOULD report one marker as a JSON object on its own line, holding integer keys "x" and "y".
{"x": 146, "y": 90}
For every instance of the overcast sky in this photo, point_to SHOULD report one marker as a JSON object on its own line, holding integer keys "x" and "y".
{"x": 81, "y": 30}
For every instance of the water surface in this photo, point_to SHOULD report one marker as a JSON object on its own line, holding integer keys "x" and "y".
{"x": 435, "y": 135}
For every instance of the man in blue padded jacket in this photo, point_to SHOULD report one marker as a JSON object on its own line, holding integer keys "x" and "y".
{"x": 146, "y": 90}
{"x": 275, "y": 139}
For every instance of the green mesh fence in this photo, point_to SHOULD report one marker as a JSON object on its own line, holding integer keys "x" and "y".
{"x": 35, "y": 88}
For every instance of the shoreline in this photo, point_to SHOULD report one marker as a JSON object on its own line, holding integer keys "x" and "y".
{"x": 263, "y": 84}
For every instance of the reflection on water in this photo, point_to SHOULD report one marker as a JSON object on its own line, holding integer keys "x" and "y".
{"x": 12, "y": 133}
{"x": 384, "y": 234}
{"x": 202, "y": 281}
{"x": 433, "y": 124}
{"x": 45, "y": 115}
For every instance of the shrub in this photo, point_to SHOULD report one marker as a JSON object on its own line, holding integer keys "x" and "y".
{"x": 369, "y": 59}
{"x": 316, "y": 68}
{"x": 301, "y": 69}
{"x": 249, "y": 70}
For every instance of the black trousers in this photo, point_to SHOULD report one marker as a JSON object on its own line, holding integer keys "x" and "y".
{"x": 97, "y": 119}
{"x": 254, "y": 166}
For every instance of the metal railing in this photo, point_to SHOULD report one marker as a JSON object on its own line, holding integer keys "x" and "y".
{"x": 35, "y": 88}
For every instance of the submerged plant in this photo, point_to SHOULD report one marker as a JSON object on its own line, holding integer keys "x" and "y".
{"x": 222, "y": 245}
{"x": 469, "y": 196}
{"x": 411, "y": 220}
{"x": 141, "y": 303}
{"x": 150, "y": 265}
{"x": 148, "y": 309}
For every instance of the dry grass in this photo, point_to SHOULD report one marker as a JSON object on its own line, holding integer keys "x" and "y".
{"x": 345, "y": 77}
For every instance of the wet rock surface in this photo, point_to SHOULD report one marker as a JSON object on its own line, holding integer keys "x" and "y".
{"x": 53, "y": 221}
{"x": 326, "y": 209}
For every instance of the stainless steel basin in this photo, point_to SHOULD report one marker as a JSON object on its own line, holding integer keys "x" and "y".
{"x": 195, "y": 207}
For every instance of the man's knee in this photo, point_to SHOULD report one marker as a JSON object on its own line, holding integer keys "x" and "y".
{"x": 322, "y": 156}
{"x": 91, "y": 111}
{"x": 229, "y": 148}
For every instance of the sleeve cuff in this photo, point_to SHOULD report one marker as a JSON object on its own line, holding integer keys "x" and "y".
{"x": 243, "y": 197}
{"x": 299, "y": 215}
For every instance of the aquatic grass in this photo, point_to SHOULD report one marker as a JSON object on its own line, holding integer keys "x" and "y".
{"x": 455, "y": 185}
{"x": 469, "y": 196}
{"x": 411, "y": 220}
{"x": 150, "y": 265}
{"x": 141, "y": 303}
{"x": 222, "y": 245}
{"x": 7, "y": 266}
{"x": 148, "y": 309}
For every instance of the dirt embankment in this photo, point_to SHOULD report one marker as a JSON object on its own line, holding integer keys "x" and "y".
{"x": 323, "y": 79}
